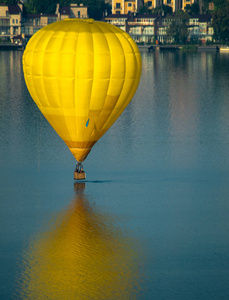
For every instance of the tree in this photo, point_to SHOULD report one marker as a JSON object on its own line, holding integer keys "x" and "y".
{"x": 195, "y": 8}
{"x": 221, "y": 23}
{"x": 178, "y": 28}
{"x": 144, "y": 10}
{"x": 163, "y": 8}
{"x": 220, "y": 3}
{"x": 9, "y": 2}
{"x": 31, "y": 6}
{"x": 204, "y": 4}
{"x": 96, "y": 8}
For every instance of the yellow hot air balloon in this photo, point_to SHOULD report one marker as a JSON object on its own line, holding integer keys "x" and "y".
{"x": 82, "y": 74}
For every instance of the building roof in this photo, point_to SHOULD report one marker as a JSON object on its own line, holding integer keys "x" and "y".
{"x": 117, "y": 16}
{"x": 32, "y": 16}
{"x": 14, "y": 9}
{"x": 171, "y": 16}
{"x": 65, "y": 10}
{"x": 48, "y": 15}
{"x": 205, "y": 18}
{"x": 35, "y": 16}
{"x": 146, "y": 16}
{"x": 202, "y": 18}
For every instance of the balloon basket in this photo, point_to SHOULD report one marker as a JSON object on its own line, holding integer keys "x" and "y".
{"x": 79, "y": 172}
{"x": 78, "y": 176}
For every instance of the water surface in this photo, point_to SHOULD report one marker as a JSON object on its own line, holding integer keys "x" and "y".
{"x": 151, "y": 220}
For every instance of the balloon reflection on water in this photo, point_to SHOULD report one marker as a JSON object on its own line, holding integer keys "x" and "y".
{"x": 84, "y": 255}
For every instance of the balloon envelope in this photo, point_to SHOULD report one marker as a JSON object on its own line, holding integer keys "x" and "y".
{"x": 82, "y": 74}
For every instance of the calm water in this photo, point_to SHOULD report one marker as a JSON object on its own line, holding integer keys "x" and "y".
{"x": 152, "y": 219}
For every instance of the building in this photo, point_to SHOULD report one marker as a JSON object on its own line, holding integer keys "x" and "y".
{"x": 162, "y": 25}
{"x": 200, "y": 27}
{"x": 125, "y": 6}
{"x": 32, "y": 23}
{"x": 152, "y": 4}
{"x": 72, "y": 11}
{"x": 149, "y": 28}
{"x": 175, "y": 4}
{"x": 131, "y": 6}
{"x": 16, "y": 26}
{"x": 142, "y": 28}
{"x": 10, "y": 22}
{"x": 187, "y": 3}
{"x": 119, "y": 20}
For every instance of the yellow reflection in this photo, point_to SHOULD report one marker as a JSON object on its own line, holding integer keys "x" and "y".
{"x": 83, "y": 256}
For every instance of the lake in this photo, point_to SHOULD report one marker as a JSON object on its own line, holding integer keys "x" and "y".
{"x": 152, "y": 219}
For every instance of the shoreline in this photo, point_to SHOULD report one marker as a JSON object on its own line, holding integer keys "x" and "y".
{"x": 152, "y": 48}
{"x": 149, "y": 48}
{"x": 6, "y": 47}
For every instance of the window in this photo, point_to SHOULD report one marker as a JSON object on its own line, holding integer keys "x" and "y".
{"x": 135, "y": 30}
{"x": 5, "y": 30}
{"x": 51, "y": 20}
{"x": 16, "y": 21}
{"x": 118, "y": 5}
{"x": 129, "y": 4}
{"x": 78, "y": 14}
{"x": 15, "y": 30}
{"x": 35, "y": 29}
{"x": 27, "y": 30}
{"x": 161, "y": 31}
{"x": 149, "y": 3}
{"x": 37, "y": 22}
{"x": 13, "y": 21}
{"x": 210, "y": 30}
{"x": 149, "y": 30}
{"x": 4, "y": 22}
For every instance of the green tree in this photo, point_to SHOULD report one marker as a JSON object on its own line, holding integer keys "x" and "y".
{"x": 46, "y": 6}
{"x": 195, "y": 8}
{"x": 96, "y": 8}
{"x": 30, "y": 6}
{"x": 178, "y": 28}
{"x": 163, "y": 8}
{"x": 219, "y": 3}
{"x": 221, "y": 23}
{"x": 9, "y": 2}
{"x": 144, "y": 9}
{"x": 204, "y": 5}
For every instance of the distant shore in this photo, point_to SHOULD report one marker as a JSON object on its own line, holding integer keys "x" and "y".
{"x": 150, "y": 48}
{"x": 11, "y": 46}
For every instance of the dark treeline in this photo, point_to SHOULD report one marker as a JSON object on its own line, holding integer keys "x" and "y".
{"x": 221, "y": 21}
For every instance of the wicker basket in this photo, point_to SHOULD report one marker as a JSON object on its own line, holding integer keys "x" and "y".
{"x": 79, "y": 175}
